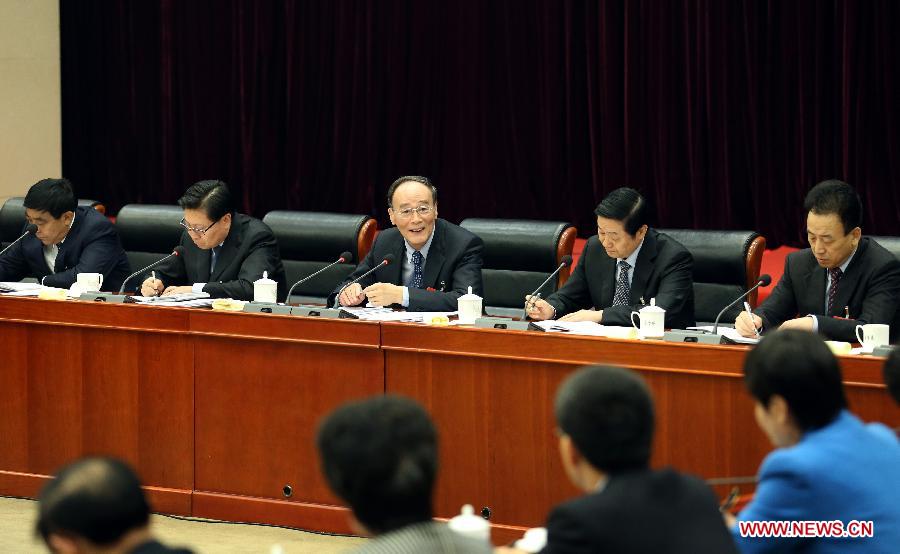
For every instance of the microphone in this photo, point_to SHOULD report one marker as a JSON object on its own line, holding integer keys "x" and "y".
{"x": 346, "y": 257}
{"x": 564, "y": 262}
{"x": 763, "y": 281}
{"x": 29, "y": 229}
{"x": 388, "y": 259}
{"x": 177, "y": 251}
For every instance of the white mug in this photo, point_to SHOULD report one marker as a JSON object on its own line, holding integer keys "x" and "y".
{"x": 265, "y": 289}
{"x": 653, "y": 321}
{"x": 89, "y": 282}
{"x": 468, "y": 307}
{"x": 873, "y": 335}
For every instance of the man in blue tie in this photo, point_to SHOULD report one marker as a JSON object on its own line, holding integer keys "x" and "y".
{"x": 435, "y": 260}
{"x": 622, "y": 268}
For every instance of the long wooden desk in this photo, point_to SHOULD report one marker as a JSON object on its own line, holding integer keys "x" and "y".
{"x": 218, "y": 411}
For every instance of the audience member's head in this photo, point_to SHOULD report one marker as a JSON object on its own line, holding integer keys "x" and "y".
{"x": 892, "y": 374}
{"x": 605, "y": 418}
{"x": 50, "y": 204}
{"x": 208, "y": 210}
{"x": 93, "y": 504}
{"x": 622, "y": 221}
{"x": 833, "y": 220}
{"x": 380, "y": 456}
{"x": 796, "y": 382}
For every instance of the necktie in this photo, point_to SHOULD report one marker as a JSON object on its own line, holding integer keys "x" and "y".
{"x": 623, "y": 289}
{"x": 834, "y": 274}
{"x": 215, "y": 256}
{"x": 416, "y": 281}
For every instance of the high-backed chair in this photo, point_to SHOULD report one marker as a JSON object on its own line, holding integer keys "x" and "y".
{"x": 12, "y": 217}
{"x": 149, "y": 232}
{"x": 519, "y": 254}
{"x": 891, "y": 243}
{"x": 308, "y": 241}
{"x": 726, "y": 263}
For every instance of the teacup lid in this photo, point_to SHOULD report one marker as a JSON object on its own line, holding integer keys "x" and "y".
{"x": 265, "y": 280}
{"x": 467, "y": 521}
{"x": 652, "y": 307}
{"x": 469, "y": 296}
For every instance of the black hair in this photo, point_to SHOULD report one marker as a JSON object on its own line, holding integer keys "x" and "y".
{"x": 213, "y": 197}
{"x": 892, "y": 374}
{"x": 98, "y": 499}
{"x": 415, "y": 178}
{"x": 380, "y": 455}
{"x": 54, "y": 196}
{"x": 608, "y": 413}
{"x": 835, "y": 197}
{"x": 626, "y": 205}
{"x": 798, "y": 366}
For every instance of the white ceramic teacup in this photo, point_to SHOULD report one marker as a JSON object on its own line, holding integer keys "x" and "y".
{"x": 653, "y": 321}
{"x": 468, "y": 307}
{"x": 89, "y": 282}
{"x": 873, "y": 335}
{"x": 265, "y": 289}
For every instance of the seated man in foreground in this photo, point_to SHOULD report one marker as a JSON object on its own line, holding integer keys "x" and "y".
{"x": 97, "y": 505}
{"x": 69, "y": 240}
{"x": 842, "y": 280}
{"x": 828, "y": 465}
{"x": 622, "y": 268}
{"x": 605, "y": 424}
{"x": 224, "y": 252}
{"x": 434, "y": 263}
{"x": 380, "y": 456}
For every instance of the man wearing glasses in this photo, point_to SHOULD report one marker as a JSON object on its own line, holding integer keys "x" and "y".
{"x": 622, "y": 268}
{"x": 434, "y": 261}
{"x": 224, "y": 251}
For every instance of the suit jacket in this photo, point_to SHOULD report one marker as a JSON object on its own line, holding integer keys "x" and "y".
{"x": 155, "y": 547}
{"x": 844, "y": 471}
{"x": 91, "y": 246}
{"x": 248, "y": 250}
{"x": 641, "y": 511}
{"x": 663, "y": 270}
{"x": 422, "y": 538}
{"x": 870, "y": 288}
{"x": 453, "y": 264}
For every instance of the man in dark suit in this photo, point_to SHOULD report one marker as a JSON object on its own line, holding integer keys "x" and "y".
{"x": 625, "y": 266}
{"x": 69, "y": 240}
{"x": 605, "y": 426}
{"x": 97, "y": 505}
{"x": 224, "y": 251}
{"x": 841, "y": 281}
{"x": 434, "y": 261}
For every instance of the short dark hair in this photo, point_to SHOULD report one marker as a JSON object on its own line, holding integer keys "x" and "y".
{"x": 608, "y": 413}
{"x": 626, "y": 205}
{"x": 415, "y": 178}
{"x": 798, "y": 366}
{"x": 380, "y": 455}
{"x": 213, "y": 197}
{"x": 835, "y": 197}
{"x": 51, "y": 195}
{"x": 98, "y": 499}
{"x": 892, "y": 374}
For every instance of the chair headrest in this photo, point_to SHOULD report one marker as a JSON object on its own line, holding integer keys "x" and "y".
{"x": 891, "y": 244}
{"x": 315, "y": 236}
{"x": 719, "y": 256}
{"x": 150, "y": 227}
{"x": 519, "y": 244}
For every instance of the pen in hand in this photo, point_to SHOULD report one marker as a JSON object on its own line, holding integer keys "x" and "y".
{"x": 750, "y": 313}
{"x": 153, "y": 276}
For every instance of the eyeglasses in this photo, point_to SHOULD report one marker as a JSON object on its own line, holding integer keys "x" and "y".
{"x": 406, "y": 213}
{"x": 200, "y": 232}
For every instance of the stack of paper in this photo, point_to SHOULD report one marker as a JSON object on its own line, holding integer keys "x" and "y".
{"x": 182, "y": 300}
{"x": 19, "y": 289}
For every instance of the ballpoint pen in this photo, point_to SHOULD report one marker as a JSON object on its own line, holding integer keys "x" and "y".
{"x": 750, "y": 313}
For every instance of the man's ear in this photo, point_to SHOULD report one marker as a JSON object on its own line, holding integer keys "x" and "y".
{"x": 62, "y": 545}
{"x": 778, "y": 409}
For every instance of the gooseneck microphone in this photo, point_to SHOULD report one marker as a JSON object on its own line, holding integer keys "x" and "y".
{"x": 177, "y": 251}
{"x": 388, "y": 259}
{"x": 763, "y": 281}
{"x": 29, "y": 229}
{"x": 564, "y": 262}
{"x": 346, "y": 257}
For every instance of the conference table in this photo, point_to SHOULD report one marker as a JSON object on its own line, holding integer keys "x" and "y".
{"x": 218, "y": 411}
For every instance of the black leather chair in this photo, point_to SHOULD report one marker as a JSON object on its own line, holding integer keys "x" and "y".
{"x": 891, "y": 243}
{"x": 149, "y": 232}
{"x": 12, "y": 217}
{"x": 518, "y": 255}
{"x": 308, "y": 241}
{"x": 726, "y": 263}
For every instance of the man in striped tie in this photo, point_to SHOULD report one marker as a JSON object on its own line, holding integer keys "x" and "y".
{"x": 622, "y": 268}
{"x": 842, "y": 280}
